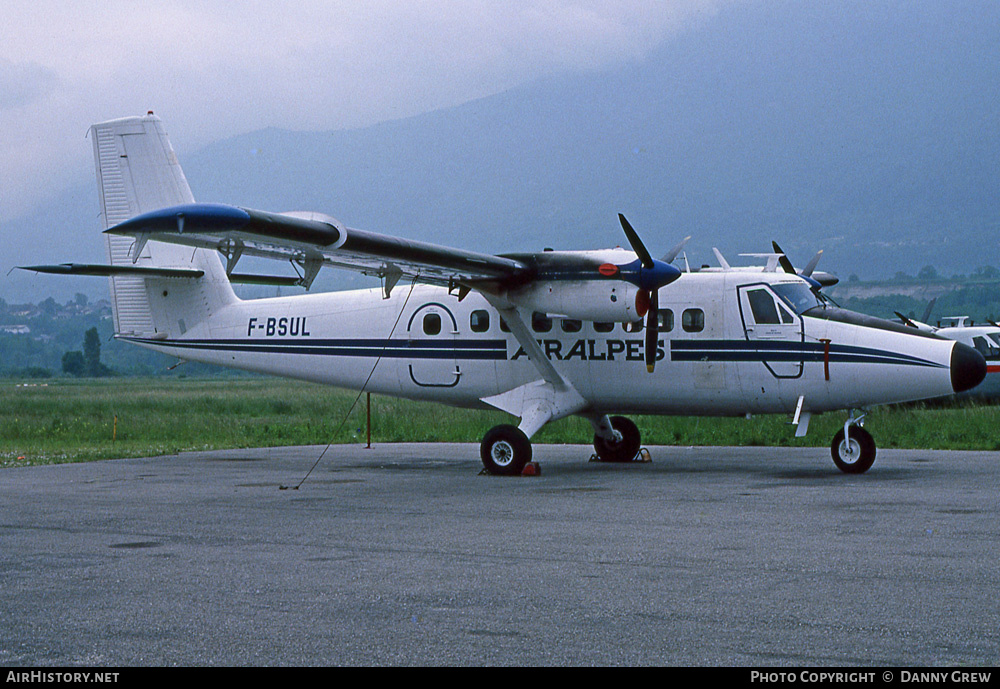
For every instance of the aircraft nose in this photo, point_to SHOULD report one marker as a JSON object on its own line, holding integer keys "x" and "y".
{"x": 968, "y": 367}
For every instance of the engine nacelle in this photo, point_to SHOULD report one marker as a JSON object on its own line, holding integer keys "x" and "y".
{"x": 606, "y": 301}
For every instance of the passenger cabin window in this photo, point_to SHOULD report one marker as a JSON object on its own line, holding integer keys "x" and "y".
{"x": 603, "y": 327}
{"x": 503, "y": 326}
{"x": 432, "y": 324}
{"x": 479, "y": 321}
{"x": 665, "y": 320}
{"x": 693, "y": 320}
{"x": 571, "y": 325}
{"x": 540, "y": 323}
{"x": 633, "y": 327}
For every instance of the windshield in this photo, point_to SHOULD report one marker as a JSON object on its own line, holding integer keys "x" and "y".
{"x": 797, "y": 295}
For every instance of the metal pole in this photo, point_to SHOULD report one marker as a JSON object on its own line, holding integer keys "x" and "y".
{"x": 369, "y": 415}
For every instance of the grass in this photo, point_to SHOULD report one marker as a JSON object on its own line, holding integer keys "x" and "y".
{"x": 73, "y": 421}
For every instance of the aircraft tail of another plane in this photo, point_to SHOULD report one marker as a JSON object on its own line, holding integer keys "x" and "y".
{"x": 138, "y": 172}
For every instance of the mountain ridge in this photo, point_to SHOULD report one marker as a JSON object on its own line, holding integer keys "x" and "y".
{"x": 867, "y": 130}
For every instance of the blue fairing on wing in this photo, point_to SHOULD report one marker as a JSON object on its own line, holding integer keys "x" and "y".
{"x": 205, "y": 216}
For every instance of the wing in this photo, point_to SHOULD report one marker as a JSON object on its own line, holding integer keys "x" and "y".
{"x": 311, "y": 241}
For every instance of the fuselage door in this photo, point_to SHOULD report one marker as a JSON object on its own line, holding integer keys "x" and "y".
{"x": 432, "y": 331}
{"x": 773, "y": 329}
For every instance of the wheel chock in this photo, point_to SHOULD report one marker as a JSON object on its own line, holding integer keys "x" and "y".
{"x": 642, "y": 457}
{"x": 531, "y": 469}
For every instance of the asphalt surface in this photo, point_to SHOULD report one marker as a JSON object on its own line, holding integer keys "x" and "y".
{"x": 406, "y": 555}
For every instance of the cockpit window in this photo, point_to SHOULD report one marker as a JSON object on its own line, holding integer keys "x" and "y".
{"x": 986, "y": 347}
{"x": 762, "y": 305}
{"x": 797, "y": 296}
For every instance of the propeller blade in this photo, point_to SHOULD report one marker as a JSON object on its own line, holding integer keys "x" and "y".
{"x": 783, "y": 261}
{"x": 821, "y": 280}
{"x": 640, "y": 249}
{"x": 905, "y": 320}
{"x": 930, "y": 307}
{"x": 811, "y": 266}
{"x": 672, "y": 254}
{"x": 652, "y": 329}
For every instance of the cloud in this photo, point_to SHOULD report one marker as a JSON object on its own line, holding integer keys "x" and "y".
{"x": 24, "y": 83}
{"x": 214, "y": 69}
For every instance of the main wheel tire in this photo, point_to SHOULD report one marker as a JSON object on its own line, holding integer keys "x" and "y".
{"x": 626, "y": 449}
{"x": 857, "y": 454}
{"x": 505, "y": 450}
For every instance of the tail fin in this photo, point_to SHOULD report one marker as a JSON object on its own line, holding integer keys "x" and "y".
{"x": 138, "y": 172}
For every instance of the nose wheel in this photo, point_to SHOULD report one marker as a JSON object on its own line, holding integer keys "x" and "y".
{"x": 853, "y": 453}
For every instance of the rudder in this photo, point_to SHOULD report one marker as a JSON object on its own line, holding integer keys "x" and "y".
{"x": 138, "y": 172}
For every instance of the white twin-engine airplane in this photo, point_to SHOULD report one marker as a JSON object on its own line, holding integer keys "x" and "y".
{"x": 539, "y": 335}
{"x": 984, "y": 338}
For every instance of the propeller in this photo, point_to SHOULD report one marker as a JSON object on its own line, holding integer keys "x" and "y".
{"x": 820, "y": 279}
{"x": 927, "y": 311}
{"x": 916, "y": 324}
{"x": 652, "y": 275}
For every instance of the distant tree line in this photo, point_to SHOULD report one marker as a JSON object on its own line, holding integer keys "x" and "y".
{"x": 87, "y": 362}
{"x": 929, "y": 272}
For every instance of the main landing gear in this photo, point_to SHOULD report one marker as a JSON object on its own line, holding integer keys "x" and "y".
{"x": 506, "y": 450}
{"x": 622, "y": 445}
{"x": 853, "y": 448}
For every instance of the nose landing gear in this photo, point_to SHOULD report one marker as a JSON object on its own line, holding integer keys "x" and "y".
{"x": 853, "y": 448}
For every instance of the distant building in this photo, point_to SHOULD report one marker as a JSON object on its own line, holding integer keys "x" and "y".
{"x": 15, "y": 329}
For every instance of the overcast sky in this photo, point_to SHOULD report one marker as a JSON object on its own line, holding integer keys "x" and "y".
{"x": 217, "y": 68}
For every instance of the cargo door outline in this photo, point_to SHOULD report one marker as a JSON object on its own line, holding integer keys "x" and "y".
{"x": 432, "y": 354}
{"x": 772, "y": 330}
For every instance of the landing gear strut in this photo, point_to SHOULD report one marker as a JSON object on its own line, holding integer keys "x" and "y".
{"x": 853, "y": 448}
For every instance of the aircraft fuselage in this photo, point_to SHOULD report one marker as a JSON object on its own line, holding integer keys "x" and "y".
{"x": 730, "y": 344}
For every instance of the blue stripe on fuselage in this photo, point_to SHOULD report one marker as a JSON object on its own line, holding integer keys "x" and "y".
{"x": 783, "y": 350}
{"x": 405, "y": 349}
{"x": 496, "y": 350}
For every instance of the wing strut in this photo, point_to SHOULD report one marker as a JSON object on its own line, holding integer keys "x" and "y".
{"x": 536, "y": 403}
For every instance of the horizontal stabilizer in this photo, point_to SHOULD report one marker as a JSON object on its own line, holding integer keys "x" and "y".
{"x": 277, "y": 280}
{"x": 93, "y": 269}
